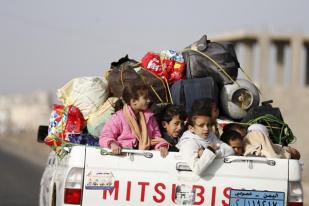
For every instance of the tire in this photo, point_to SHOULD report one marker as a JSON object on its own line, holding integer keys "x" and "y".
{"x": 54, "y": 198}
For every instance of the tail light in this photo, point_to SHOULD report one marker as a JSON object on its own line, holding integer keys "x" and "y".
{"x": 73, "y": 186}
{"x": 295, "y": 194}
{"x": 72, "y": 196}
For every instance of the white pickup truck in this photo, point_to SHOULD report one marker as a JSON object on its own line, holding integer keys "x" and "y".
{"x": 89, "y": 176}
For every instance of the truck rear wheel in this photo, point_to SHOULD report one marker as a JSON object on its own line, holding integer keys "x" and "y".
{"x": 53, "y": 203}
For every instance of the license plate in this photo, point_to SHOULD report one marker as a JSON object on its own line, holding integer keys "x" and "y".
{"x": 256, "y": 198}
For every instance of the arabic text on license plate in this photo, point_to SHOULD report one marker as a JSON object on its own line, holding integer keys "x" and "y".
{"x": 256, "y": 198}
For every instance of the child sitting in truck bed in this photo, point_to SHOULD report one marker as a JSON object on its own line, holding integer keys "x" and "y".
{"x": 208, "y": 104}
{"x": 233, "y": 139}
{"x": 171, "y": 120}
{"x": 237, "y": 127}
{"x": 200, "y": 136}
{"x": 132, "y": 125}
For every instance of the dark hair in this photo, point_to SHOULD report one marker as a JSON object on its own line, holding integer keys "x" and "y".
{"x": 195, "y": 113}
{"x": 131, "y": 91}
{"x": 170, "y": 111}
{"x": 233, "y": 127}
{"x": 203, "y": 104}
{"x": 167, "y": 113}
{"x": 230, "y": 135}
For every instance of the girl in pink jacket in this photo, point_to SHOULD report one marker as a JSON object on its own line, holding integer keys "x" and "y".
{"x": 132, "y": 125}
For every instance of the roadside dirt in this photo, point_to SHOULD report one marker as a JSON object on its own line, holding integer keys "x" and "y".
{"x": 24, "y": 145}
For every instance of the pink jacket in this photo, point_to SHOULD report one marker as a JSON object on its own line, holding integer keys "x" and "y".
{"x": 117, "y": 130}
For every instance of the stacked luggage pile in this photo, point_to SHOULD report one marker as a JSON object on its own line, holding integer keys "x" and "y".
{"x": 204, "y": 69}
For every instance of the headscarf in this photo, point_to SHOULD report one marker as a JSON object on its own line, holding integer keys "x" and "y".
{"x": 259, "y": 128}
{"x": 257, "y": 143}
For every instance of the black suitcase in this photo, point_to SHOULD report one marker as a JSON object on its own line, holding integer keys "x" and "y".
{"x": 184, "y": 92}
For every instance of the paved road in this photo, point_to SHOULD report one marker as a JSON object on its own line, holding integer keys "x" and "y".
{"x": 19, "y": 181}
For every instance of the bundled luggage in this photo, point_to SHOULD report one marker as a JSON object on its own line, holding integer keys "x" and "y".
{"x": 127, "y": 72}
{"x": 205, "y": 69}
{"x": 159, "y": 88}
{"x": 97, "y": 120}
{"x": 184, "y": 92}
{"x": 205, "y": 58}
{"x": 167, "y": 64}
{"x": 121, "y": 74}
{"x": 64, "y": 120}
{"x": 86, "y": 93}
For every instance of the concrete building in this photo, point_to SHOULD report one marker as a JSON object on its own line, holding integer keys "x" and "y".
{"x": 272, "y": 59}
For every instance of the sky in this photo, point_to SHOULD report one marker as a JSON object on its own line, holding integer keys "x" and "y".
{"x": 44, "y": 44}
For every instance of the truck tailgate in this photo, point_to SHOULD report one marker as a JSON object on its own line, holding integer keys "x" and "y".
{"x": 133, "y": 179}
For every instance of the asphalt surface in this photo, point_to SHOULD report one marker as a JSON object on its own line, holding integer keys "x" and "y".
{"x": 19, "y": 181}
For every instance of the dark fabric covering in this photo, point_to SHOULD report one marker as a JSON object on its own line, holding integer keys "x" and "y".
{"x": 84, "y": 139}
